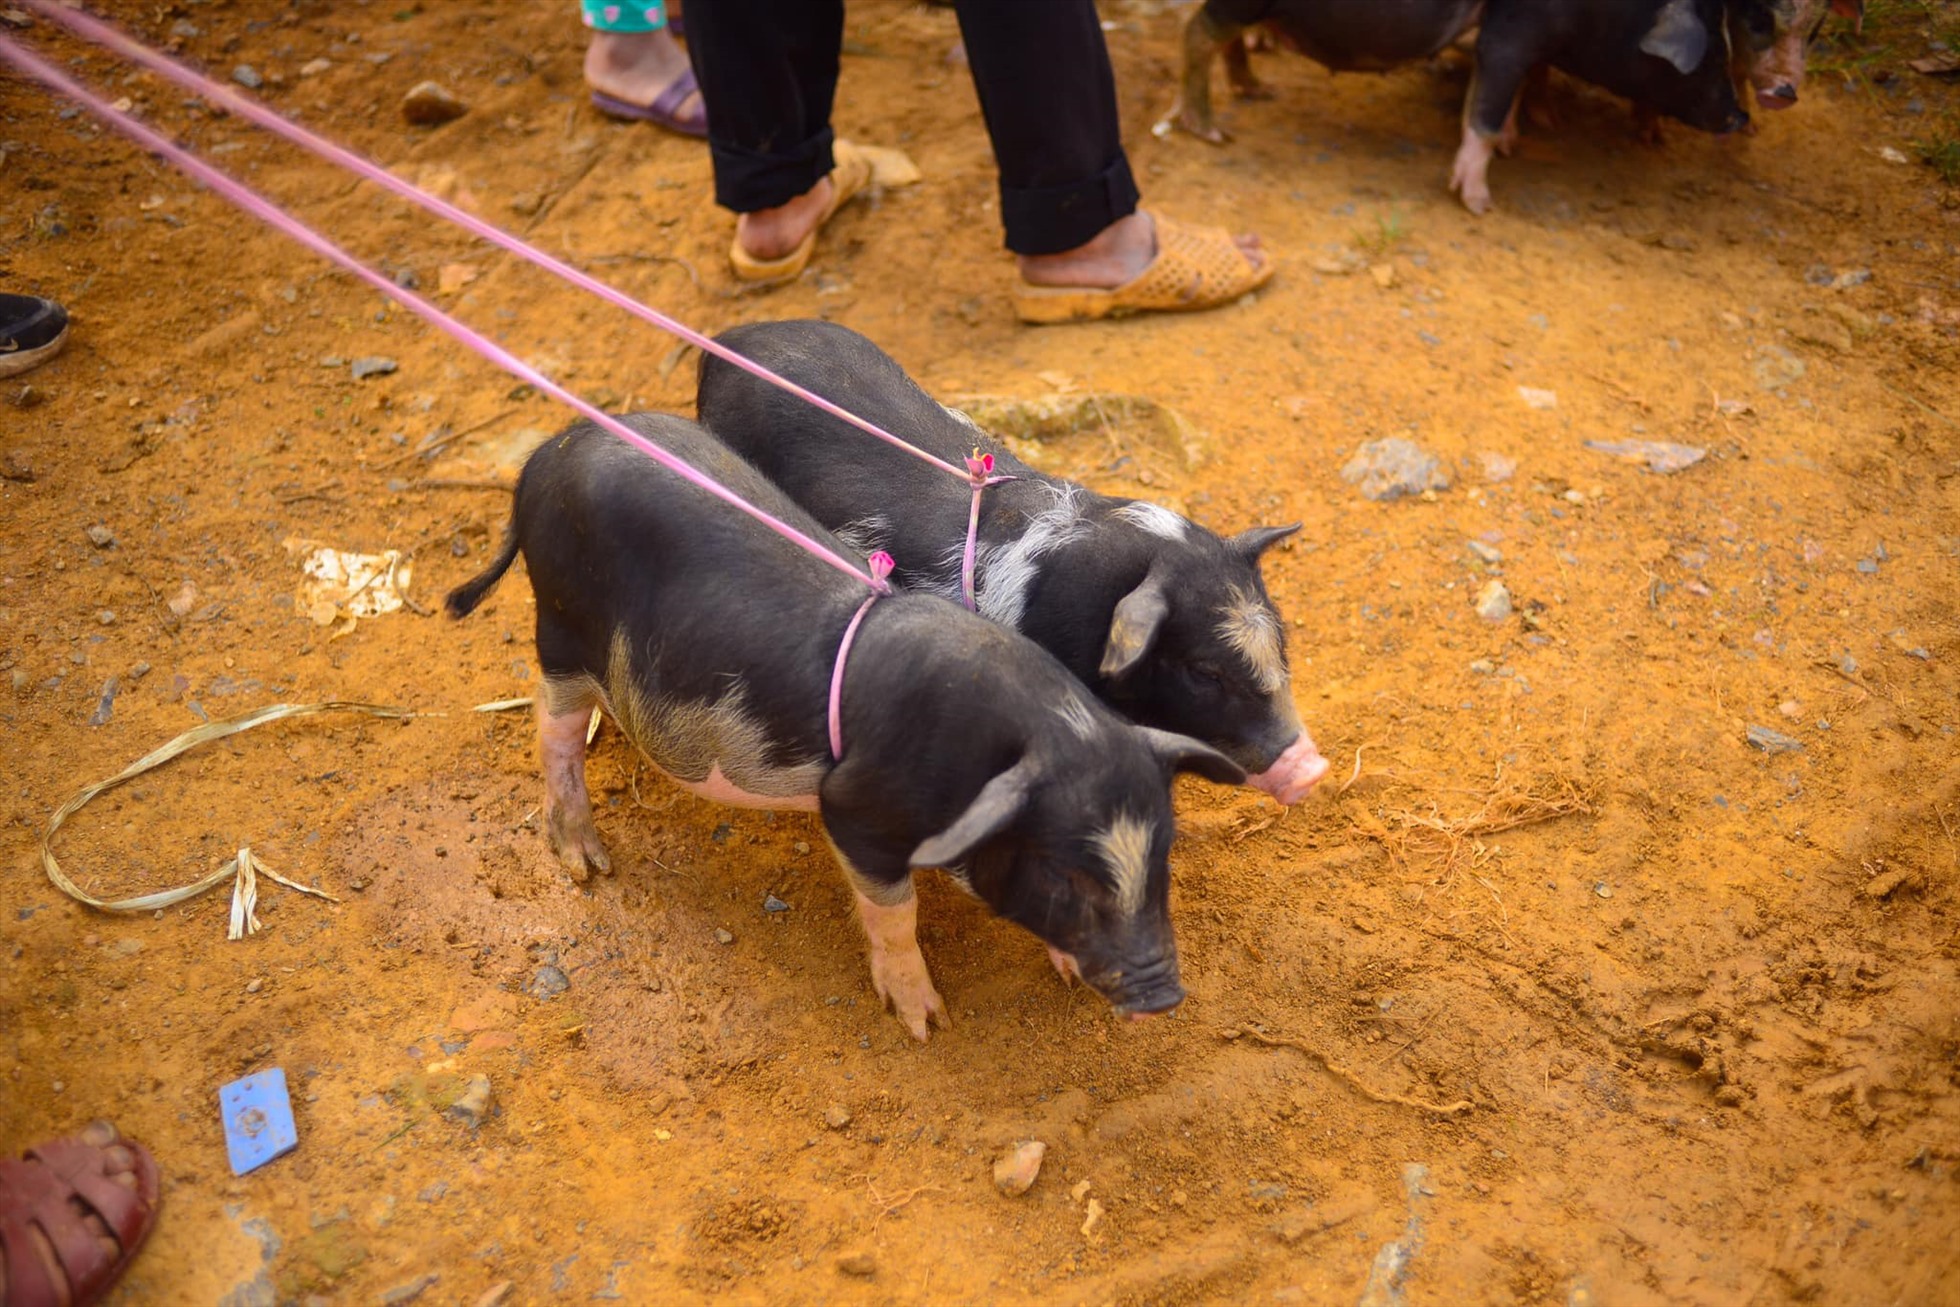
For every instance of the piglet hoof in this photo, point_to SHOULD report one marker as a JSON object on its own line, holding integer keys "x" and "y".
{"x": 1475, "y": 192}
{"x": 1064, "y": 965}
{"x": 1201, "y": 125}
{"x": 579, "y": 849}
{"x": 1252, "y": 89}
{"x": 905, "y": 987}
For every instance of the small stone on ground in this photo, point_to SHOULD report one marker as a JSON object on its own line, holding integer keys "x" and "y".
{"x": 1016, "y": 1169}
{"x": 1394, "y": 467}
{"x": 430, "y": 104}
{"x": 1494, "y": 602}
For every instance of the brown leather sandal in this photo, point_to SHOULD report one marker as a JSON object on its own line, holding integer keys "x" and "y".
{"x": 54, "y": 1252}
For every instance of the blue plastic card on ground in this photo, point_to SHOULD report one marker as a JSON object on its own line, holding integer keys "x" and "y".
{"x": 258, "y": 1117}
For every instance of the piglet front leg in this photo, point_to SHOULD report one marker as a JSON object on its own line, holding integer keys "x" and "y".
{"x": 1470, "y": 174}
{"x": 898, "y": 969}
{"x": 567, "y": 807}
{"x": 1204, "y": 39}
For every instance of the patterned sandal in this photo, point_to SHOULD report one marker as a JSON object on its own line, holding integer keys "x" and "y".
{"x": 850, "y": 173}
{"x": 68, "y": 1226}
{"x": 1195, "y": 268}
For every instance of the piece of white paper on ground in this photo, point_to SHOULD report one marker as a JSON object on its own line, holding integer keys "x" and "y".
{"x": 339, "y": 583}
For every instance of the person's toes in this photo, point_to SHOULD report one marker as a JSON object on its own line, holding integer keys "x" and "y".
{"x": 122, "y": 1164}
{"x": 51, "y": 1268}
{"x": 99, "y": 1134}
{"x": 1253, "y": 249}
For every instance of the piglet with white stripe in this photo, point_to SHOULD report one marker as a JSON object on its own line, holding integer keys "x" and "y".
{"x": 712, "y": 641}
{"x": 1167, "y": 622}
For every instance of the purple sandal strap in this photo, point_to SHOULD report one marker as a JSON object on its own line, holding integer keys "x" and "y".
{"x": 666, "y": 106}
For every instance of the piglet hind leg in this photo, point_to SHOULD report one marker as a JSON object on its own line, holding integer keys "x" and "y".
{"x": 898, "y": 969}
{"x": 567, "y": 807}
{"x": 1238, "y": 71}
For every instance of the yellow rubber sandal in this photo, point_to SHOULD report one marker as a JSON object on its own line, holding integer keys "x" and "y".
{"x": 850, "y": 173}
{"x": 1195, "y": 268}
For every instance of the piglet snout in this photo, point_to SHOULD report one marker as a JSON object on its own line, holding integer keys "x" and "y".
{"x": 1297, "y": 770}
{"x": 1138, "y": 992}
{"x": 1156, "y": 1004}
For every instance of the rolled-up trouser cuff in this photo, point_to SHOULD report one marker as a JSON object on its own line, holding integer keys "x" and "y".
{"x": 1052, "y": 219}
{"x": 1238, "y": 13}
{"x": 746, "y": 181}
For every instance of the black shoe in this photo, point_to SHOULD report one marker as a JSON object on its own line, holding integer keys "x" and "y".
{"x": 32, "y": 331}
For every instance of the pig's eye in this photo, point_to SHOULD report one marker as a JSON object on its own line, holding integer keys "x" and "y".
{"x": 1207, "y": 673}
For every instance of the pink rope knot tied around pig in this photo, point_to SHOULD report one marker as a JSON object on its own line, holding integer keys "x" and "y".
{"x": 881, "y": 567}
{"x": 980, "y": 475}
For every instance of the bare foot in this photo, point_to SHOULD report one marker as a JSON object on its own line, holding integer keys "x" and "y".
{"x": 637, "y": 66}
{"x": 769, "y": 234}
{"x": 1117, "y": 254}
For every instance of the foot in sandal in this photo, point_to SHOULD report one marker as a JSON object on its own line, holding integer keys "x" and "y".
{"x": 73, "y": 1212}
{"x": 1141, "y": 264}
{"x": 645, "y": 76}
{"x": 776, "y": 244}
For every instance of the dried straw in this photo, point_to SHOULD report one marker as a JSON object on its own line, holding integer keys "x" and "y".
{"x": 243, "y": 869}
{"x": 1453, "y": 842}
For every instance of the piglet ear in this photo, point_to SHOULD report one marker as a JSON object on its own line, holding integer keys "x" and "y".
{"x": 1852, "y": 9}
{"x": 1677, "y": 36}
{"x": 1139, "y": 616}
{"x": 1000, "y": 800}
{"x": 1254, "y": 541}
{"x": 1182, "y": 753}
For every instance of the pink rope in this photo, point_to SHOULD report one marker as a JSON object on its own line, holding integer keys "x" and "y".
{"x": 266, "y": 211}
{"x": 93, "y": 29}
{"x": 980, "y": 474}
{"x": 881, "y": 567}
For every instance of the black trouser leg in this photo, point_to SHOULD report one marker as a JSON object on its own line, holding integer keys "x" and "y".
{"x": 768, "y": 73}
{"x": 1049, "y": 96}
{"x": 1239, "y": 13}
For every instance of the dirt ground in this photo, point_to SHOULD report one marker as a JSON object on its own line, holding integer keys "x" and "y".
{"x": 1699, "y": 998}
